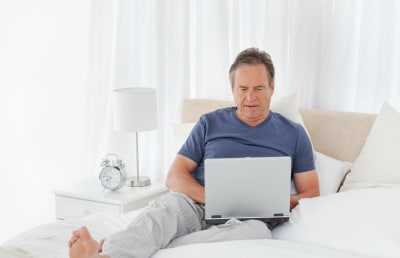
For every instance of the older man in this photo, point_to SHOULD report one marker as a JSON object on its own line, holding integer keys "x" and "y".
{"x": 249, "y": 129}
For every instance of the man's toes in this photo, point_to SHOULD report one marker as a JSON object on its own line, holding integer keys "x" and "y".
{"x": 84, "y": 233}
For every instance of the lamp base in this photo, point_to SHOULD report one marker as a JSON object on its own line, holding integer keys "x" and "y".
{"x": 134, "y": 181}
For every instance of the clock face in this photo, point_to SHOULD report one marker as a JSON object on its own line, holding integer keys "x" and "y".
{"x": 110, "y": 178}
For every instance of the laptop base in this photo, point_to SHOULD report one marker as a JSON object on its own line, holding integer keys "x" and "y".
{"x": 272, "y": 221}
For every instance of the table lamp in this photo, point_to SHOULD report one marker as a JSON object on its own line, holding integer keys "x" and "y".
{"x": 135, "y": 110}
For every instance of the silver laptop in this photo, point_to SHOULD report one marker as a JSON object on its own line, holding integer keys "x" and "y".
{"x": 247, "y": 188}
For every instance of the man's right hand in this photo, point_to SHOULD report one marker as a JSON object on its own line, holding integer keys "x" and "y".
{"x": 180, "y": 179}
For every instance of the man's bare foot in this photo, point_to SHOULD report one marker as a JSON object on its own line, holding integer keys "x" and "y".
{"x": 82, "y": 245}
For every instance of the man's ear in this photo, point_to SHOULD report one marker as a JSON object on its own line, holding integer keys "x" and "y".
{"x": 272, "y": 85}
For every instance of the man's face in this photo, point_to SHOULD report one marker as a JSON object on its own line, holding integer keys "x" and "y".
{"x": 252, "y": 92}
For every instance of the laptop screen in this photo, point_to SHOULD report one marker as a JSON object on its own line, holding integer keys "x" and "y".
{"x": 247, "y": 188}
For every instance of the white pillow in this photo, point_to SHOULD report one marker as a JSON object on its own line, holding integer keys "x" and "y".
{"x": 181, "y": 133}
{"x": 330, "y": 173}
{"x": 363, "y": 221}
{"x": 379, "y": 162}
{"x": 288, "y": 106}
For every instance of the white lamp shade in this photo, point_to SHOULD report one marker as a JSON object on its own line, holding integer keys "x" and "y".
{"x": 135, "y": 109}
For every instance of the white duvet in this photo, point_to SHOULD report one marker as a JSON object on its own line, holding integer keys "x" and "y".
{"x": 357, "y": 223}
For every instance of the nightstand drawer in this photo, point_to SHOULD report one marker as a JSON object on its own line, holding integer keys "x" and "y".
{"x": 88, "y": 196}
{"x": 67, "y": 208}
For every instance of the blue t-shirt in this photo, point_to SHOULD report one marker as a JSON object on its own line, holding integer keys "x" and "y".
{"x": 221, "y": 134}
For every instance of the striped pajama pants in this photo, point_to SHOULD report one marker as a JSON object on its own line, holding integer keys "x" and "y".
{"x": 174, "y": 220}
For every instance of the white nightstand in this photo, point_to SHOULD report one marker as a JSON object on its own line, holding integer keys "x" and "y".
{"x": 87, "y": 196}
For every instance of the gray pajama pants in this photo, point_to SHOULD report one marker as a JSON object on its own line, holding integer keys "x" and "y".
{"x": 173, "y": 220}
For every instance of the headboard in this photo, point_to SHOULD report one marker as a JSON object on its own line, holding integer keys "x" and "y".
{"x": 335, "y": 133}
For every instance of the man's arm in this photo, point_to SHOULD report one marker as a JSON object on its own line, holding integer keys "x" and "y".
{"x": 306, "y": 185}
{"x": 180, "y": 179}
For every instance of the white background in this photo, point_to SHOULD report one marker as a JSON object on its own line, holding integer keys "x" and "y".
{"x": 43, "y": 87}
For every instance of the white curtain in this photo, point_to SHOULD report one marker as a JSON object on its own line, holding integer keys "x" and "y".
{"x": 339, "y": 55}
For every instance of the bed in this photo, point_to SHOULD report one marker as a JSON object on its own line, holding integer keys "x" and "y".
{"x": 357, "y": 214}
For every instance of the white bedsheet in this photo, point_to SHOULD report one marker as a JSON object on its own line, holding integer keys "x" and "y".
{"x": 357, "y": 223}
{"x": 364, "y": 221}
{"x": 253, "y": 248}
{"x": 46, "y": 248}
{"x": 50, "y": 240}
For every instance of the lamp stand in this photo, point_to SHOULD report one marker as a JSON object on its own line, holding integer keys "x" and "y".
{"x": 137, "y": 181}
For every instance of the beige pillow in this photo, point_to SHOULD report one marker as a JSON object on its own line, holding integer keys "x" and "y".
{"x": 287, "y": 105}
{"x": 378, "y": 164}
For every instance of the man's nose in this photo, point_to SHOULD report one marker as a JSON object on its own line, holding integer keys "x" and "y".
{"x": 250, "y": 95}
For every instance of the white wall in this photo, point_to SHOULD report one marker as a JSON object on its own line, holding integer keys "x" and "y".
{"x": 43, "y": 80}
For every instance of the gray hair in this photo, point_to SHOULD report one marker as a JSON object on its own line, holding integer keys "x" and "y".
{"x": 252, "y": 56}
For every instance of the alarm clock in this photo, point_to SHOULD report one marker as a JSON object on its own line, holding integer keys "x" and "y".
{"x": 112, "y": 175}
